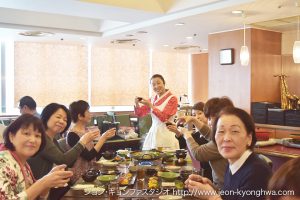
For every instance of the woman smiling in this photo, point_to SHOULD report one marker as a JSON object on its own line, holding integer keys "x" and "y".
{"x": 24, "y": 138}
{"x": 247, "y": 174}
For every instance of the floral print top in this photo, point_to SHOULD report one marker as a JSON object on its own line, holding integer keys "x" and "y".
{"x": 12, "y": 180}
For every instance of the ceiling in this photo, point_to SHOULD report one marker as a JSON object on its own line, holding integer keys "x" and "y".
{"x": 149, "y": 23}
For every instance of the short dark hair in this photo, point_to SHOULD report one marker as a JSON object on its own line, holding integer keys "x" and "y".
{"x": 52, "y": 108}
{"x": 27, "y": 101}
{"x": 214, "y": 105}
{"x": 158, "y": 76}
{"x": 78, "y": 108}
{"x": 286, "y": 178}
{"x": 24, "y": 121}
{"x": 243, "y": 116}
{"x": 198, "y": 106}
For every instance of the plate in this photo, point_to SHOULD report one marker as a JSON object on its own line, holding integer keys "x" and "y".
{"x": 106, "y": 178}
{"x": 82, "y": 186}
{"x": 107, "y": 163}
{"x": 173, "y": 168}
{"x": 146, "y": 155}
{"x": 166, "y": 197}
{"x": 168, "y": 176}
{"x": 130, "y": 177}
{"x": 97, "y": 190}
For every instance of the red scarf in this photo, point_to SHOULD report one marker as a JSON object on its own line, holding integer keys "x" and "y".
{"x": 23, "y": 167}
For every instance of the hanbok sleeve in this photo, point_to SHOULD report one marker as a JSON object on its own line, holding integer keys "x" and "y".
{"x": 141, "y": 111}
{"x": 169, "y": 110}
{"x": 11, "y": 187}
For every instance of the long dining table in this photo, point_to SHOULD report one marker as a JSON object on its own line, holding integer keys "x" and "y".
{"x": 138, "y": 189}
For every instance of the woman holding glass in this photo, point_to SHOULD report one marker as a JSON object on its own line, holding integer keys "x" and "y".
{"x": 162, "y": 107}
{"x": 23, "y": 138}
{"x": 81, "y": 116}
{"x": 234, "y": 134}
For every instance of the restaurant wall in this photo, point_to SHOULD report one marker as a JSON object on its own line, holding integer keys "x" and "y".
{"x": 291, "y": 69}
{"x": 233, "y": 80}
{"x": 199, "y": 74}
{"x": 265, "y": 64}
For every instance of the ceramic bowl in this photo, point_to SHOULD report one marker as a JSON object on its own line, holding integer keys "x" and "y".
{"x": 90, "y": 175}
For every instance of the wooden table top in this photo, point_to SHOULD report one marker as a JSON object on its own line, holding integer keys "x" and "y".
{"x": 133, "y": 192}
{"x": 279, "y": 150}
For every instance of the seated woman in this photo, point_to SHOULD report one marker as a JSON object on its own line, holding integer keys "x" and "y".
{"x": 56, "y": 119}
{"x": 81, "y": 116}
{"x": 23, "y": 138}
{"x": 207, "y": 152}
{"x": 286, "y": 179}
{"x": 198, "y": 113}
{"x": 234, "y": 134}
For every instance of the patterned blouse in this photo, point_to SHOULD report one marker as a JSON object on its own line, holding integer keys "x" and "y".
{"x": 12, "y": 182}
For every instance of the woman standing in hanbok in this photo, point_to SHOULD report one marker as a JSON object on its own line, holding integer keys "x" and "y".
{"x": 162, "y": 107}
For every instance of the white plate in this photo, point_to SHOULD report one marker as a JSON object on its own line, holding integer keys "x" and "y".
{"x": 82, "y": 186}
{"x": 93, "y": 190}
{"x": 173, "y": 168}
{"x": 166, "y": 197}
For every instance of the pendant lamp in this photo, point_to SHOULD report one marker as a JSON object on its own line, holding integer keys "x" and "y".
{"x": 296, "y": 47}
{"x": 244, "y": 53}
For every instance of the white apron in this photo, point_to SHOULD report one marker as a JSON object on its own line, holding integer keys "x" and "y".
{"x": 159, "y": 135}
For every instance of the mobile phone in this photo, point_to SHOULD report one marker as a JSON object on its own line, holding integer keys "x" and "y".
{"x": 139, "y": 98}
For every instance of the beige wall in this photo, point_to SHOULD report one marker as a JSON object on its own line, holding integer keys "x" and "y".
{"x": 243, "y": 84}
{"x": 199, "y": 74}
{"x": 229, "y": 80}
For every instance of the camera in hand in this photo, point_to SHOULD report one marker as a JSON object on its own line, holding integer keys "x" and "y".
{"x": 139, "y": 98}
{"x": 180, "y": 124}
{"x": 168, "y": 123}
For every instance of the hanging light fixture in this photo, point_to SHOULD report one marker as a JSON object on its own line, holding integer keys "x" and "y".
{"x": 244, "y": 53}
{"x": 296, "y": 47}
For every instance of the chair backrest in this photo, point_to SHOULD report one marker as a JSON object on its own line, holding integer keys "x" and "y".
{"x": 123, "y": 119}
{"x": 266, "y": 159}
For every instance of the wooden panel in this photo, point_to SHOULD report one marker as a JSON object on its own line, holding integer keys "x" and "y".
{"x": 265, "y": 63}
{"x": 199, "y": 77}
{"x": 284, "y": 133}
{"x": 292, "y": 70}
{"x": 229, "y": 80}
{"x": 269, "y": 130}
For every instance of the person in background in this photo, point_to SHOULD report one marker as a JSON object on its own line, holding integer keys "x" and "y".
{"x": 23, "y": 138}
{"x": 197, "y": 111}
{"x": 286, "y": 178}
{"x": 163, "y": 107}
{"x": 81, "y": 116}
{"x": 28, "y": 105}
{"x": 234, "y": 134}
{"x": 207, "y": 152}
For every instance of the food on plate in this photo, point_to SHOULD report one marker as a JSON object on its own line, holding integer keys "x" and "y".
{"x": 153, "y": 183}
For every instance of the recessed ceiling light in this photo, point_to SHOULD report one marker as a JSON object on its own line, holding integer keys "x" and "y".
{"x": 189, "y": 37}
{"x": 36, "y": 33}
{"x": 129, "y": 35}
{"x": 142, "y": 32}
{"x": 165, "y": 45}
{"x": 237, "y": 12}
{"x": 180, "y": 24}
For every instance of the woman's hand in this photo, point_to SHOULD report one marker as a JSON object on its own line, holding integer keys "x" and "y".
{"x": 109, "y": 134}
{"x": 146, "y": 103}
{"x": 173, "y": 128}
{"x": 137, "y": 100}
{"x": 200, "y": 186}
{"x": 89, "y": 136}
{"x": 57, "y": 177}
